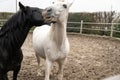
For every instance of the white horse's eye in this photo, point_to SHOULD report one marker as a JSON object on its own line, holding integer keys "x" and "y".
{"x": 64, "y": 5}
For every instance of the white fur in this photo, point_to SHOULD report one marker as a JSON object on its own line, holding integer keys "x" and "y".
{"x": 51, "y": 42}
{"x": 116, "y": 77}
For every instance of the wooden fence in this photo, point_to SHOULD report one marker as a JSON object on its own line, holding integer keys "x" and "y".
{"x": 81, "y": 26}
{"x": 111, "y": 27}
{"x": 2, "y": 21}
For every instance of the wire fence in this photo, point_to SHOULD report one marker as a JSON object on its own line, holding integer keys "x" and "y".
{"x": 102, "y": 29}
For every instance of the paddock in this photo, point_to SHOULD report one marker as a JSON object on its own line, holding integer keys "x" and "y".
{"x": 90, "y": 58}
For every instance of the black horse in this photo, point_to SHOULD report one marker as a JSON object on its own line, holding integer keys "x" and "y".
{"x": 12, "y": 36}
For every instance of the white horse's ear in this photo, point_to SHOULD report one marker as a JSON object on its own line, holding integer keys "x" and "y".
{"x": 70, "y": 2}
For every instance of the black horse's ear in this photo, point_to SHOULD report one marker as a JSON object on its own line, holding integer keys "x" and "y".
{"x": 22, "y": 7}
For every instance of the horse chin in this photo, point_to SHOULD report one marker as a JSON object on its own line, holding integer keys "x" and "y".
{"x": 46, "y": 18}
{"x": 50, "y": 20}
{"x": 54, "y": 20}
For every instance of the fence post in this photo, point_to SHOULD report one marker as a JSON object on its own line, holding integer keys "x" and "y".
{"x": 81, "y": 26}
{"x": 111, "y": 33}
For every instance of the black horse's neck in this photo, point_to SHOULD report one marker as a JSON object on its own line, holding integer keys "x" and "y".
{"x": 14, "y": 32}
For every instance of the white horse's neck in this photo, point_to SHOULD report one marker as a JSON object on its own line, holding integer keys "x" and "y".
{"x": 58, "y": 33}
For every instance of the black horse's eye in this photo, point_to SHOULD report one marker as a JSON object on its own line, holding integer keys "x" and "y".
{"x": 64, "y": 5}
{"x": 34, "y": 10}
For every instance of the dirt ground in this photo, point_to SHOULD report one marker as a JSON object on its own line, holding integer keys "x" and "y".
{"x": 90, "y": 58}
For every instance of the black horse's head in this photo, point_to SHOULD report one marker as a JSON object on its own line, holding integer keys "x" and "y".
{"x": 33, "y": 15}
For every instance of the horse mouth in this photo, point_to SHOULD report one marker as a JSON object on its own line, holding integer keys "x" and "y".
{"x": 54, "y": 20}
{"x": 48, "y": 18}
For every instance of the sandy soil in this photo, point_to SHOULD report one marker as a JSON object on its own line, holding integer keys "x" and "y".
{"x": 90, "y": 58}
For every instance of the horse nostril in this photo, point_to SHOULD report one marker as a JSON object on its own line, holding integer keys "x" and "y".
{"x": 49, "y": 10}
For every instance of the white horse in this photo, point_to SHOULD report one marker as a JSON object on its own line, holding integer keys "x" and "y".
{"x": 51, "y": 42}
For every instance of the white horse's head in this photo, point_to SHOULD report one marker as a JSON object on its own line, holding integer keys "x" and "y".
{"x": 58, "y": 12}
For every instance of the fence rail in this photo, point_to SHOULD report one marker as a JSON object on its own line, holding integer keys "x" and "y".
{"x": 91, "y": 26}
{"x": 82, "y": 26}
{"x": 2, "y": 21}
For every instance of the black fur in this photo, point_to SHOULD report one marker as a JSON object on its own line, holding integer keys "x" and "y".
{"x": 12, "y": 36}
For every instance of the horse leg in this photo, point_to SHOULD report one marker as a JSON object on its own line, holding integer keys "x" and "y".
{"x": 60, "y": 71}
{"x": 15, "y": 72}
{"x": 48, "y": 69}
{"x": 5, "y": 77}
{"x": 38, "y": 59}
{"x": 19, "y": 58}
{"x": 3, "y": 74}
{"x": 38, "y": 69}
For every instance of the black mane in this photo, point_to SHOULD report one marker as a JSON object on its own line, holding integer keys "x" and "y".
{"x": 12, "y": 23}
{"x": 14, "y": 31}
